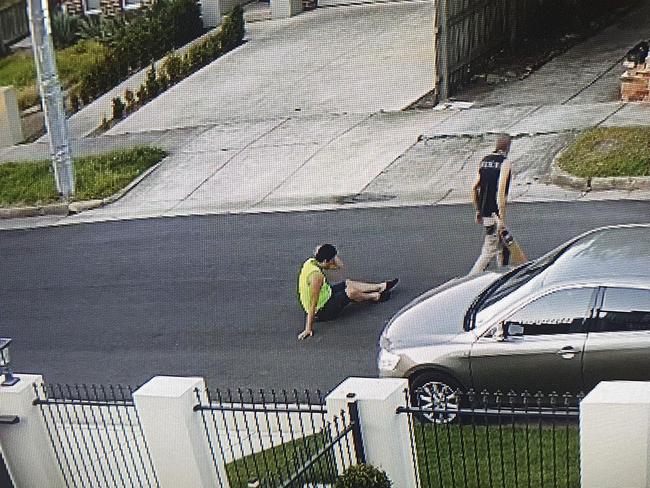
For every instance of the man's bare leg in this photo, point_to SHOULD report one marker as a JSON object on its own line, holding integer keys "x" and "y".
{"x": 358, "y": 291}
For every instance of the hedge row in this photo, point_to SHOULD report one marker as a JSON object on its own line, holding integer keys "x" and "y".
{"x": 175, "y": 67}
{"x": 166, "y": 25}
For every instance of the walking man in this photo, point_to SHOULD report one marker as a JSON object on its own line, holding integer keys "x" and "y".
{"x": 322, "y": 301}
{"x": 490, "y": 196}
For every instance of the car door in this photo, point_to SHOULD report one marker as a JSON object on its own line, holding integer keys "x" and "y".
{"x": 618, "y": 346}
{"x": 547, "y": 356}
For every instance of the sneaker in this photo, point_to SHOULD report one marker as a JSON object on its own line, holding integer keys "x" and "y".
{"x": 391, "y": 284}
{"x": 384, "y": 295}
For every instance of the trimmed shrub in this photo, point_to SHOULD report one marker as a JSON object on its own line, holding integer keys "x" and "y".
{"x": 232, "y": 29}
{"x": 133, "y": 44}
{"x": 151, "y": 85}
{"x": 363, "y": 476}
{"x": 172, "y": 66}
{"x": 118, "y": 108}
{"x": 141, "y": 95}
{"x": 130, "y": 101}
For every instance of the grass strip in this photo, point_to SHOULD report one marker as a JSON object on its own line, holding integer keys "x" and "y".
{"x": 32, "y": 182}
{"x": 607, "y": 152}
{"x": 467, "y": 456}
{"x": 276, "y": 464}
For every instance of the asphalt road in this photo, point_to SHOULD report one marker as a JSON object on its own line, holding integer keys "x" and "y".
{"x": 214, "y": 296}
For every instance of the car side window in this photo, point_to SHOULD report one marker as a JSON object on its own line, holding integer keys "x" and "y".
{"x": 624, "y": 309}
{"x": 560, "y": 312}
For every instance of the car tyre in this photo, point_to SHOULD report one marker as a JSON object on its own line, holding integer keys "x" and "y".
{"x": 432, "y": 390}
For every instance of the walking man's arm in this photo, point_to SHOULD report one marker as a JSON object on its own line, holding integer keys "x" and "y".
{"x": 315, "y": 284}
{"x": 476, "y": 200}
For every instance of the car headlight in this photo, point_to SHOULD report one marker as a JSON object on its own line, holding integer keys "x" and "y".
{"x": 387, "y": 361}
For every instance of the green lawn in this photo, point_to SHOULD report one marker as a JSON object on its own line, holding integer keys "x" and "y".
{"x": 19, "y": 70}
{"x": 467, "y": 456}
{"x": 615, "y": 151}
{"x": 32, "y": 183}
{"x": 449, "y": 456}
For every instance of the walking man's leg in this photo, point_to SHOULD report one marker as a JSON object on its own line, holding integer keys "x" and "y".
{"x": 488, "y": 251}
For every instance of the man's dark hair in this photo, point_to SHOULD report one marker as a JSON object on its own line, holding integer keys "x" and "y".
{"x": 325, "y": 252}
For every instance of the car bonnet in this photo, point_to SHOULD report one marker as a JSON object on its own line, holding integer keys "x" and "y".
{"x": 436, "y": 316}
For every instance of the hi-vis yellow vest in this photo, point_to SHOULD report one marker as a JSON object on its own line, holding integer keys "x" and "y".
{"x": 304, "y": 290}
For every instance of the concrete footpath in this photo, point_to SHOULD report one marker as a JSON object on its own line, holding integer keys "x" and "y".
{"x": 327, "y": 131}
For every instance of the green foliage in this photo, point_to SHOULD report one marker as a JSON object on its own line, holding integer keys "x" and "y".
{"x": 151, "y": 84}
{"x": 363, "y": 476}
{"x": 64, "y": 29}
{"x": 32, "y": 182}
{"x": 141, "y": 95}
{"x": 132, "y": 44}
{"x": 198, "y": 56}
{"x": 19, "y": 71}
{"x": 232, "y": 29}
{"x": 100, "y": 28}
{"x": 105, "y": 74}
{"x": 172, "y": 67}
{"x": 613, "y": 151}
{"x": 118, "y": 108}
{"x": 75, "y": 101}
{"x": 131, "y": 103}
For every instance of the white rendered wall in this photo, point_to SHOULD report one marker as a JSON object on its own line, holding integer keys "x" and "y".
{"x": 11, "y": 132}
{"x": 26, "y": 446}
{"x": 175, "y": 433}
{"x": 615, "y": 436}
{"x": 386, "y": 434}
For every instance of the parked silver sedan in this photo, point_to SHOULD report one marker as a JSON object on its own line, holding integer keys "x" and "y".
{"x": 564, "y": 322}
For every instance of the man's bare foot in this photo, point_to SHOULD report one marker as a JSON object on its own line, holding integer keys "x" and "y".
{"x": 304, "y": 334}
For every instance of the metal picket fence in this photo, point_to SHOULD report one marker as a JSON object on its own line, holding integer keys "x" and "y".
{"x": 497, "y": 440}
{"x": 96, "y": 435}
{"x": 277, "y": 439}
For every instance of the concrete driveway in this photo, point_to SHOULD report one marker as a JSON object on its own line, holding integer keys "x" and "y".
{"x": 358, "y": 59}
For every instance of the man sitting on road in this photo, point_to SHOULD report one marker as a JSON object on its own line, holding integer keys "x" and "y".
{"x": 322, "y": 301}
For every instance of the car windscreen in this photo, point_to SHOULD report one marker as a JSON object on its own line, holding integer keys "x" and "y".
{"x": 513, "y": 281}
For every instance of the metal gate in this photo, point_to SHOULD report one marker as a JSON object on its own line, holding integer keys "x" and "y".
{"x": 278, "y": 439}
{"x": 497, "y": 440}
{"x": 96, "y": 436}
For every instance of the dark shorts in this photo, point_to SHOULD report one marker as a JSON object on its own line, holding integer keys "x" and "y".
{"x": 336, "y": 303}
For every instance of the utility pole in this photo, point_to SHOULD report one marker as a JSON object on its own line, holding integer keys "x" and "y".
{"x": 442, "y": 60}
{"x": 50, "y": 88}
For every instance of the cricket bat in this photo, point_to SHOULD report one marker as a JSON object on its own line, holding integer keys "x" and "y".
{"x": 517, "y": 254}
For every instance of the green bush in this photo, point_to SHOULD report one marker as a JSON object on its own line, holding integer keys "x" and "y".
{"x": 232, "y": 29}
{"x": 131, "y": 103}
{"x": 133, "y": 44}
{"x": 118, "y": 108}
{"x": 363, "y": 476}
{"x": 64, "y": 29}
{"x": 151, "y": 84}
{"x": 172, "y": 66}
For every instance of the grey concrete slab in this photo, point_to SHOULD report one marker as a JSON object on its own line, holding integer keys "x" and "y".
{"x": 357, "y": 59}
{"x": 352, "y": 161}
{"x": 475, "y": 121}
{"x": 633, "y": 113}
{"x": 556, "y": 118}
{"x": 443, "y": 170}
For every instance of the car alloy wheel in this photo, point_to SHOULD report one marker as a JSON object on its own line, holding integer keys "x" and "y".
{"x": 439, "y": 400}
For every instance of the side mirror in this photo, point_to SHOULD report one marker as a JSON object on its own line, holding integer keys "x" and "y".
{"x": 512, "y": 329}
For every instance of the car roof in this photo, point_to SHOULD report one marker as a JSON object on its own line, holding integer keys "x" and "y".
{"x": 609, "y": 255}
